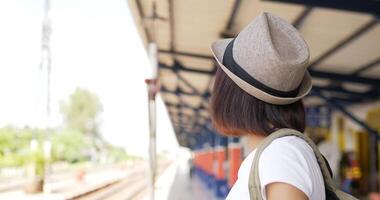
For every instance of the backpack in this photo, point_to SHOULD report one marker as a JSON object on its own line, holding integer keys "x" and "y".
{"x": 332, "y": 193}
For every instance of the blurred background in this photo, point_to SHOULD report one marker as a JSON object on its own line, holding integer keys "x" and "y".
{"x": 109, "y": 99}
{"x": 74, "y": 104}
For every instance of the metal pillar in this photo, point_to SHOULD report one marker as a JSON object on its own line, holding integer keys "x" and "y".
{"x": 45, "y": 64}
{"x": 153, "y": 88}
{"x": 374, "y": 137}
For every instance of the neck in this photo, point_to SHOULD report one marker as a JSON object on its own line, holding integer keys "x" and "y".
{"x": 253, "y": 141}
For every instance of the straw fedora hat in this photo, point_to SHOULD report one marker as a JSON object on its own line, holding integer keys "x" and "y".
{"x": 268, "y": 59}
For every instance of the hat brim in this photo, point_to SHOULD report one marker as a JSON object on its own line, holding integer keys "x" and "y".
{"x": 218, "y": 49}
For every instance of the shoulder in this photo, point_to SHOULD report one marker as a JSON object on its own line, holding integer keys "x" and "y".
{"x": 290, "y": 148}
{"x": 288, "y": 160}
{"x": 289, "y": 151}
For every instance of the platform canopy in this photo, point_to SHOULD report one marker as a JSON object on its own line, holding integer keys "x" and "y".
{"x": 343, "y": 35}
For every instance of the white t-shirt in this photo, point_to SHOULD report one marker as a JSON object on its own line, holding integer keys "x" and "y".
{"x": 288, "y": 160}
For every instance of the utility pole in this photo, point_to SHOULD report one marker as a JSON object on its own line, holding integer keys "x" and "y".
{"x": 153, "y": 88}
{"x": 45, "y": 64}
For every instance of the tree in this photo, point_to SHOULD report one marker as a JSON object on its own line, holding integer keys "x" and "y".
{"x": 15, "y": 145}
{"x": 70, "y": 145}
{"x": 81, "y": 111}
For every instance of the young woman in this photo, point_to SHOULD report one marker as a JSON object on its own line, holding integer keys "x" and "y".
{"x": 258, "y": 90}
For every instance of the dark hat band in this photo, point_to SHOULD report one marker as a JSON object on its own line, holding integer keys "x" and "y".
{"x": 231, "y": 65}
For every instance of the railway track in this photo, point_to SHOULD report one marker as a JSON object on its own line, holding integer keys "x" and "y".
{"x": 132, "y": 187}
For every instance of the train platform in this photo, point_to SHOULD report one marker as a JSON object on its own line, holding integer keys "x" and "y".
{"x": 176, "y": 184}
{"x": 183, "y": 185}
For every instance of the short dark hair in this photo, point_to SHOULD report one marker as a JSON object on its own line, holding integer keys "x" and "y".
{"x": 234, "y": 112}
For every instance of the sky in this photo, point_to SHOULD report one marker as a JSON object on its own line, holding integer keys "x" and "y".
{"x": 94, "y": 45}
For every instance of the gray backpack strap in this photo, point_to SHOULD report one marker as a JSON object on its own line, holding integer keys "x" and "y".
{"x": 254, "y": 179}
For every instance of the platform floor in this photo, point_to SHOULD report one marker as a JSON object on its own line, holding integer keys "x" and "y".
{"x": 175, "y": 183}
{"x": 186, "y": 188}
{"x": 181, "y": 187}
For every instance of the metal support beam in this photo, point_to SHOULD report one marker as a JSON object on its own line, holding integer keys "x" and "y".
{"x": 352, "y": 78}
{"x": 193, "y": 126}
{"x": 314, "y": 73}
{"x": 189, "y": 125}
{"x": 190, "y": 116}
{"x": 177, "y": 92}
{"x": 203, "y": 95}
{"x": 181, "y": 68}
{"x": 184, "y": 126}
{"x": 367, "y": 66}
{"x": 341, "y": 100}
{"x": 373, "y": 135}
{"x": 172, "y": 25}
{"x": 176, "y": 68}
{"x": 350, "y": 115}
{"x": 364, "y": 6}
{"x": 301, "y": 18}
{"x": 178, "y": 53}
{"x": 345, "y": 78}
{"x": 340, "y": 90}
{"x": 235, "y": 10}
{"x": 184, "y": 115}
{"x": 186, "y": 82}
{"x": 233, "y": 15}
{"x": 356, "y": 34}
{"x": 142, "y": 17}
{"x": 201, "y": 107}
{"x": 179, "y": 105}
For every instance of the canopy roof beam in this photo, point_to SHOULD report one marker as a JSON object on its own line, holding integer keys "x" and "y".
{"x": 367, "y": 66}
{"x": 297, "y": 23}
{"x": 339, "y": 107}
{"x": 356, "y": 34}
{"x": 172, "y": 25}
{"x": 315, "y": 73}
{"x": 191, "y": 116}
{"x": 374, "y": 138}
{"x": 364, "y": 6}
{"x": 201, "y": 107}
{"x": 345, "y": 78}
{"x": 228, "y": 31}
{"x": 362, "y": 95}
{"x": 181, "y": 68}
{"x": 142, "y": 18}
{"x": 179, "y": 91}
{"x": 179, "y": 53}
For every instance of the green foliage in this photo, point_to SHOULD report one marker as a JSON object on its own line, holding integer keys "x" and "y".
{"x": 12, "y": 160}
{"x": 11, "y": 139}
{"x": 81, "y": 111}
{"x": 70, "y": 145}
{"x": 14, "y": 145}
{"x": 37, "y": 158}
{"x": 73, "y": 143}
{"x": 117, "y": 154}
{"x": 67, "y": 145}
